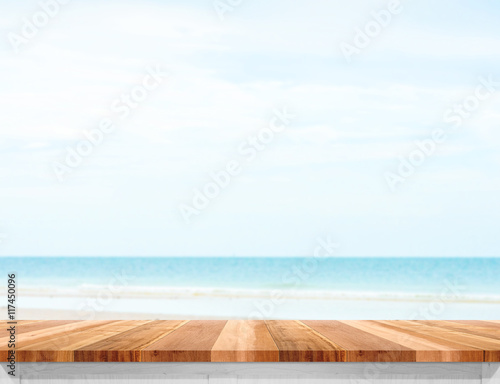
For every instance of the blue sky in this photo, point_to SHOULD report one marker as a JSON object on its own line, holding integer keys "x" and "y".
{"x": 325, "y": 174}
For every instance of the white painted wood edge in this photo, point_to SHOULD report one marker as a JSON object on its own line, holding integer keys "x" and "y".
{"x": 262, "y": 369}
{"x": 491, "y": 373}
{"x": 5, "y": 378}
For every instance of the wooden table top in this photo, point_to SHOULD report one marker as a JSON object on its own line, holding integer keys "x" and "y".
{"x": 254, "y": 341}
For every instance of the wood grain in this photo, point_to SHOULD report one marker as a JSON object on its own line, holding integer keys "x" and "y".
{"x": 127, "y": 346}
{"x": 245, "y": 341}
{"x": 298, "y": 342}
{"x": 255, "y": 341}
{"x": 31, "y": 326}
{"x": 61, "y": 346}
{"x": 20, "y": 324}
{"x": 191, "y": 342}
{"x": 491, "y": 347}
{"x": 362, "y": 346}
{"x": 480, "y": 323}
{"x": 427, "y": 348}
{"x": 39, "y": 333}
{"x": 478, "y": 330}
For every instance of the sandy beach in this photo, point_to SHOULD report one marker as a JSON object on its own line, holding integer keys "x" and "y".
{"x": 54, "y": 314}
{"x": 134, "y": 308}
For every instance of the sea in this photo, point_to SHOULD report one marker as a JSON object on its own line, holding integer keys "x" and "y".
{"x": 266, "y": 287}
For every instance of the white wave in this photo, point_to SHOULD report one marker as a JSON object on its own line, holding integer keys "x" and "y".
{"x": 90, "y": 290}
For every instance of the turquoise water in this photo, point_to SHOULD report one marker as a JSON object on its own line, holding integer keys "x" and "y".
{"x": 409, "y": 275}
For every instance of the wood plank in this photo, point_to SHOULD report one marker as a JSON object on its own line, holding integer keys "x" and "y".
{"x": 127, "y": 346}
{"x": 62, "y": 327}
{"x": 245, "y": 341}
{"x": 480, "y": 323}
{"x": 5, "y": 323}
{"x": 491, "y": 347}
{"x": 478, "y": 330}
{"x": 192, "y": 341}
{"x": 31, "y": 326}
{"x": 298, "y": 342}
{"x": 40, "y": 334}
{"x": 362, "y": 346}
{"x": 257, "y": 341}
{"x": 428, "y": 349}
{"x": 61, "y": 347}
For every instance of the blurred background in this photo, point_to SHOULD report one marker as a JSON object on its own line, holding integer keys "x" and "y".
{"x": 251, "y": 134}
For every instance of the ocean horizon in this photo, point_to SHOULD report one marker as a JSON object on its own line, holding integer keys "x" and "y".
{"x": 473, "y": 276}
{"x": 282, "y": 287}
